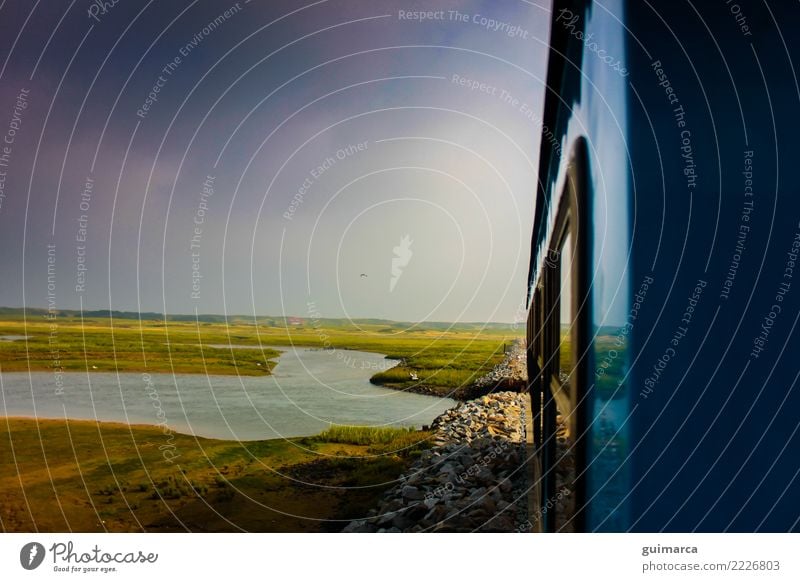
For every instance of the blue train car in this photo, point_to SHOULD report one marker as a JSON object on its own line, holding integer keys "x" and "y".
{"x": 664, "y": 281}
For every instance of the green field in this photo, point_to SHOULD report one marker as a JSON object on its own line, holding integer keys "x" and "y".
{"x": 444, "y": 357}
{"x": 58, "y": 475}
{"x": 84, "y": 476}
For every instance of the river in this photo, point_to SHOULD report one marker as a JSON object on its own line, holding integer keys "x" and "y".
{"x": 309, "y": 390}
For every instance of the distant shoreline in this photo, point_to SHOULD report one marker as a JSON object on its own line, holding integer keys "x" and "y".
{"x": 237, "y": 319}
{"x": 443, "y": 358}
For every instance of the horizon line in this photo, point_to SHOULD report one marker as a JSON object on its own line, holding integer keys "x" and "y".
{"x": 250, "y": 316}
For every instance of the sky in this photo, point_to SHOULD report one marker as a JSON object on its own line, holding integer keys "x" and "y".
{"x": 329, "y": 159}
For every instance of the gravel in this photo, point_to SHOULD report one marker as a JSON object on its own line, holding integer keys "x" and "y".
{"x": 471, "y": 480}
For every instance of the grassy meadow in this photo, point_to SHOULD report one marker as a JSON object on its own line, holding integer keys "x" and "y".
{"x": 443, "y": 357}
{"x": 83, "y": 476}
{"x": 59, "y": 475}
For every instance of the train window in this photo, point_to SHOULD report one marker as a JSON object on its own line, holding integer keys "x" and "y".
{"x": 565, "y": 432}
{"x": 538, "y": 318}
{"x": 565, "y": 319}
{"x": 536, "y": 362}
{"x": 564, "y": 421}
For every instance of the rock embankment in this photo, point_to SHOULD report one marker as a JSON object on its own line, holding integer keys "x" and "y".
{"x": 509, "y": 375}
{"x": 473, "y": 479}
{"x": 496, "y": 415}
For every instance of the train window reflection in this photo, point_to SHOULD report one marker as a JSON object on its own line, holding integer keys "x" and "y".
{"x": 565, "y": 437}
{"x": 565, "y": 311}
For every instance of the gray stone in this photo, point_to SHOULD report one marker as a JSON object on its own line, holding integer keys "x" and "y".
{"x": 412, "y": 493}
{"x": 471, "y": 472}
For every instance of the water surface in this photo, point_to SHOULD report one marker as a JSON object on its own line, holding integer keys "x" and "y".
{"x": 309, "y": 390}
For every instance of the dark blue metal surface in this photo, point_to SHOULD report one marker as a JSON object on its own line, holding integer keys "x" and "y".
{"x": 689, "y": 112}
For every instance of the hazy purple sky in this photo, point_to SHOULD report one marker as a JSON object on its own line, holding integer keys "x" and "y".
{"x": 267, "y": 105}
